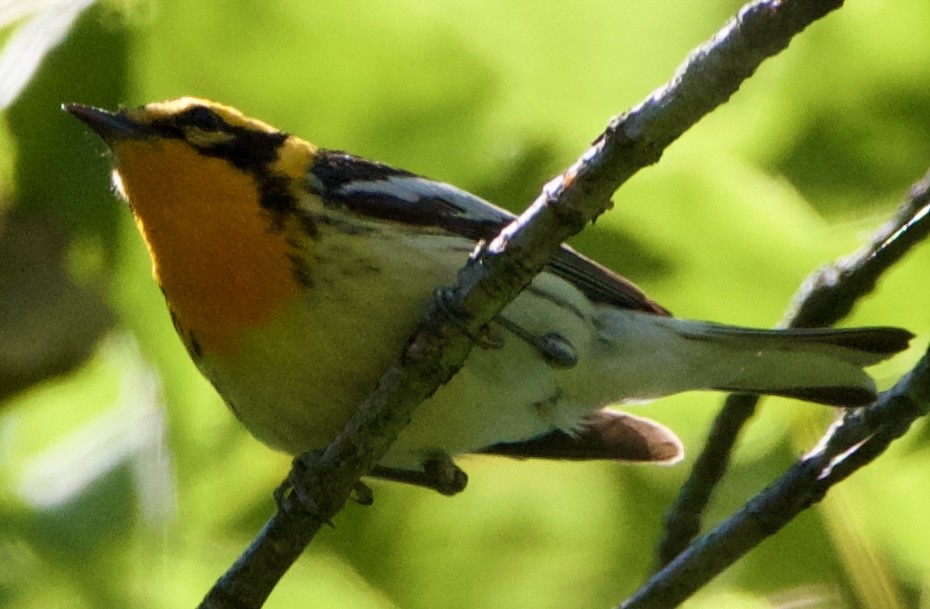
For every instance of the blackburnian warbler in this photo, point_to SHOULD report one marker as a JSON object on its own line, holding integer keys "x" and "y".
{"x": 294, "y": 275}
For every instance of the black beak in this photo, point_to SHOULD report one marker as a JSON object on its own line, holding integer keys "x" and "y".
{"x": 110, "y": 126}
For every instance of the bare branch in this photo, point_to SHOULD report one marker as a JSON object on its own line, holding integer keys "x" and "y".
{"x": 830, "y": 293}
{"x": 683, "y": 519}
{"x": 858, "y": 439}
{"x": 493, "y": 277}
{"x": 824, "y": 298}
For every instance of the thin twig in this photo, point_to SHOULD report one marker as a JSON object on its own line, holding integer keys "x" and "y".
{"x": 494, "y": 276}
{"x": 856, "y": 441}
{"x": 830, "y": 293}
{"x": 684, "y": 517}
{"x": 825, "y": 297}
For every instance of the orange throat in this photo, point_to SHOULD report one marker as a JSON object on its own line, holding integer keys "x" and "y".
{"x": 222, "y": 264}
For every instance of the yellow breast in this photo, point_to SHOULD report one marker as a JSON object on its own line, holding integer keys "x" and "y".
{"x": 221, "y": 261}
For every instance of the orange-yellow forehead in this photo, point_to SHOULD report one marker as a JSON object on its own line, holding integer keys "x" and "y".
{"x": 233, "y": 117}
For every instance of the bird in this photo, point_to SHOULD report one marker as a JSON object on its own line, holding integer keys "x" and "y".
{"x": 295, "y": 274}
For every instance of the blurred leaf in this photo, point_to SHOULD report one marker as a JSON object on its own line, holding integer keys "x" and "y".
{"x": 48, "y": 324}
{"x": 43, "y": 26}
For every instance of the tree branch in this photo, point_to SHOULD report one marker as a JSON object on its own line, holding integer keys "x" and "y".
{"x": 825, "y": 297}
{"x": 859, "y": 438}
{"x": 498, "y": 271}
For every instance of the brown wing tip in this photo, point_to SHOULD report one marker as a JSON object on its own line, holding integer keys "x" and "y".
{"x": 630, "y": 438}
{"x": 605, "y": 435}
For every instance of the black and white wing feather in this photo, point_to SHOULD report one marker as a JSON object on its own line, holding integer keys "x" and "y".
{"x": 380, "y": 191}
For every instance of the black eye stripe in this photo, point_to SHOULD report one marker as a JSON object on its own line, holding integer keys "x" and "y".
{"x": 201, "y": 117}
{"x": 251, "y": 150}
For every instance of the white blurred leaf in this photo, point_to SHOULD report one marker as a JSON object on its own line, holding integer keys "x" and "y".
{"x": 44, "y": 24}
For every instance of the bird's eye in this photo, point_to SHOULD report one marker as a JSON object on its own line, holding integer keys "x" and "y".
{"x": 201, "y": 117}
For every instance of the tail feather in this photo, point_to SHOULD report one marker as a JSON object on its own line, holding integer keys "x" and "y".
{"x": 864, "y": 345}
{"x": 652, "y": 356}
{"x": 816, "y": 365}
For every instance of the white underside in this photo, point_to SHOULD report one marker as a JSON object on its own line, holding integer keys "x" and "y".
{"x": 295, "y": 395}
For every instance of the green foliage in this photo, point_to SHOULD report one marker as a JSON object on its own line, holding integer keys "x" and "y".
{"x": 127, "y": 483}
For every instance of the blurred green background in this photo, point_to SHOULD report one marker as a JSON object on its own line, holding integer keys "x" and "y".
{"x": 124, "y": 481}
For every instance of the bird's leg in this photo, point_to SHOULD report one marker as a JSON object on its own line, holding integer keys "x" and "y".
{"x": 439, "y": 473}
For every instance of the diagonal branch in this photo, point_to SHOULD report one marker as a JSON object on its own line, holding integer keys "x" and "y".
{"x": 498, "y": 271}
{"x": 825, "y": 297}
{"x": 858, "y": 439}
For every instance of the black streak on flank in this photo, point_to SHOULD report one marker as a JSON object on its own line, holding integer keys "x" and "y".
{"x": 195, "y": 348}
{"x": 308, "y": 223}
{"x": 301, "y": 270}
